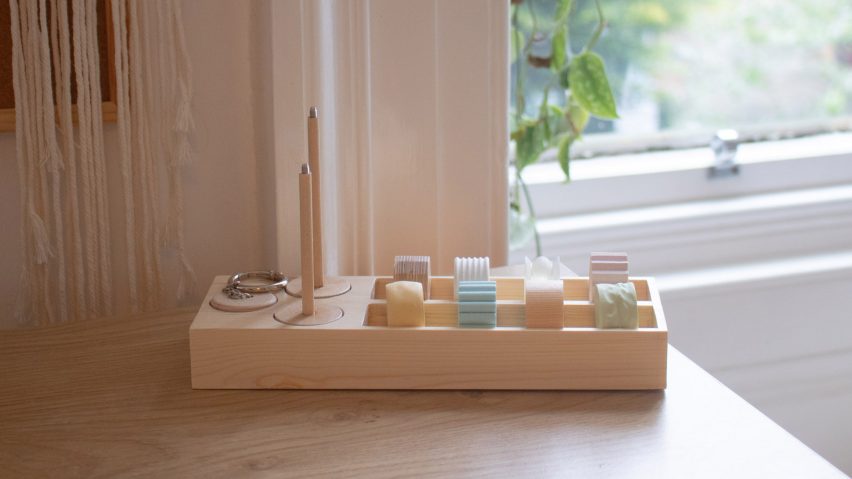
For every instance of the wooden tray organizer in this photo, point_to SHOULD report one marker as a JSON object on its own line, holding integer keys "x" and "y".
{"x": 251, "y": 350}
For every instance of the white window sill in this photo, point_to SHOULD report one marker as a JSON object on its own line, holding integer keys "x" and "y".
{"x": 824, "y": 267}
{"x": 693, "y": 235}
{"x": 819, "y": 146}
{"x": 673, "y": 177}
{"x": 757, "y": 207}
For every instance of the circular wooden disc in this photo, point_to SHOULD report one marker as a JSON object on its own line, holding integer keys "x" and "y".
{"x": 222, "y": 302}
{"x": 331, "y": 287}
{"x": 323, "y": 314}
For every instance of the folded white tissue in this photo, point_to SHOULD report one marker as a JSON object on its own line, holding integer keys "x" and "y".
{"x": 538, "y": 269}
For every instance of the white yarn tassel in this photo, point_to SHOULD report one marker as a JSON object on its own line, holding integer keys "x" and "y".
{"x": 182, "y": 153}
{"x": 67, "y": 270}
{"x": 52, "y": 156}
{"x": 187, "y": 281}
{"x": 61, "y": 48}
{"x": 183, "y": 120}
{"x": 34, "y": 302}
{"x": 24, "y": 300}
{"x": 125, "y": 128}
{"x": 41, "y": 238}
{"x": 185, "y": 154}
{"x": 54, "y": 166}
{"x": 87, "y": 206}
{"x": 98, "y": 159}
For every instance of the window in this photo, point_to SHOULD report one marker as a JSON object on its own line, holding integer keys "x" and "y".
{"x": 681, "y": 69}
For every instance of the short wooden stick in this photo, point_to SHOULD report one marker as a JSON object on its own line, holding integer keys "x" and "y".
{"x": 307, "y": 240}
{"x": 313, "y": 161}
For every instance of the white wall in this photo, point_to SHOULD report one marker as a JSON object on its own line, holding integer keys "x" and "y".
{"x": 228, "y": 189}
{"x": 784, "y": 344}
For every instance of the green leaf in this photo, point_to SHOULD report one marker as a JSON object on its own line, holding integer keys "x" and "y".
{"x": 562, "y": 10}
{"x": 578, "y": 117}
{"x": 555, "y": 115}
{"x": 542, "y": 108}
{"x": 558, "y": 44}
{"x": 555, "y": 111}
{"x": 556, "y": 122}
{"x": 529, "y": 143}
{"x": 564, "y": 154}
{"x": 590, "y": 87}
{"x": 563, "y": 78}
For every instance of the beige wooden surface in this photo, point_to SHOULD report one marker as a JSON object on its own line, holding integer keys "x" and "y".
{"x": 109, "y": 398}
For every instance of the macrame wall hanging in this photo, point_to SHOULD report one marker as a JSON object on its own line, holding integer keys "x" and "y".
{"x": 64, "y": 168}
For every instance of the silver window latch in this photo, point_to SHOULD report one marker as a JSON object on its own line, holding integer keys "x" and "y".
{"x": 724, "y": 145}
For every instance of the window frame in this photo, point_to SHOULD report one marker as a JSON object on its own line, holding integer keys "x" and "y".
{"x": 677, "y": 176}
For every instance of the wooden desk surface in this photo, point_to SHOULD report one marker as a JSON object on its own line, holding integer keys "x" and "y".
{"x": 112, "y": 398}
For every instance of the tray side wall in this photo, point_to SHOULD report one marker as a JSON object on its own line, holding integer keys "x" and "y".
{"x": 378, "y": 358}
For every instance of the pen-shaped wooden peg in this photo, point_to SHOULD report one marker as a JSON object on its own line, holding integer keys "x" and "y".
{"x": 313, "y": 161}
{"x": 307, "y": 239}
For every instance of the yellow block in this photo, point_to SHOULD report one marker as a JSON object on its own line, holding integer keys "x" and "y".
{"x": 405, "y": 304}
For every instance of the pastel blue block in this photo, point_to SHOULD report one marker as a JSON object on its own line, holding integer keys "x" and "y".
{"x": 477, "y": 302}
{"x": 478, "y": 307}
{"x": 477, "y": 286}
{"x": 477, "y": 319}
{"x": 468, "y": 296}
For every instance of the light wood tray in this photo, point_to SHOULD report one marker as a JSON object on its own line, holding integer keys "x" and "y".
{"x": 253, "y": 351}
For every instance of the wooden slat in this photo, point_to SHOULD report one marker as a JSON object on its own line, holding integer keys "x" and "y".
{"x": 510, "y": 288}
{"x": 577, "y": 289}
{"x": 441, "y": 288}
{"x": 581, "y": 314}
{"x": 510, "y": 314}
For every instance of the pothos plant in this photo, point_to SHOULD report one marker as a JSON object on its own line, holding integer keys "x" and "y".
{"x": 576, "y": 87}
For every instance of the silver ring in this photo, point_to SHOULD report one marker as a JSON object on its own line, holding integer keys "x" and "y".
{"x": 279, "y": 281}
{"x": 233, "y": 293}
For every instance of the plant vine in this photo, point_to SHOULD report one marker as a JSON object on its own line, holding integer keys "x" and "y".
{"x": 580, "y": 82}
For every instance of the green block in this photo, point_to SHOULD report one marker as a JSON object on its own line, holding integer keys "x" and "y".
{"x": 615, "y": 306}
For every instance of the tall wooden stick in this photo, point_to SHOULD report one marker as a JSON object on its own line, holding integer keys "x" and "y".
{"x": 313, "y": 161}
{"x": 307, "y": 239}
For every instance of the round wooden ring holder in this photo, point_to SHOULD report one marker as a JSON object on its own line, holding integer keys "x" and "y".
{"x": 222, "y": 302}
{"x": 544, "y": 300}
{"x": 323, "y": 314}
{"x": 331, "y": 287}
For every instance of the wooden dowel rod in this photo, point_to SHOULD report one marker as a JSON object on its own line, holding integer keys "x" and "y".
{"x": 307, "y": 240}
{"x": 313, "y": 161}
